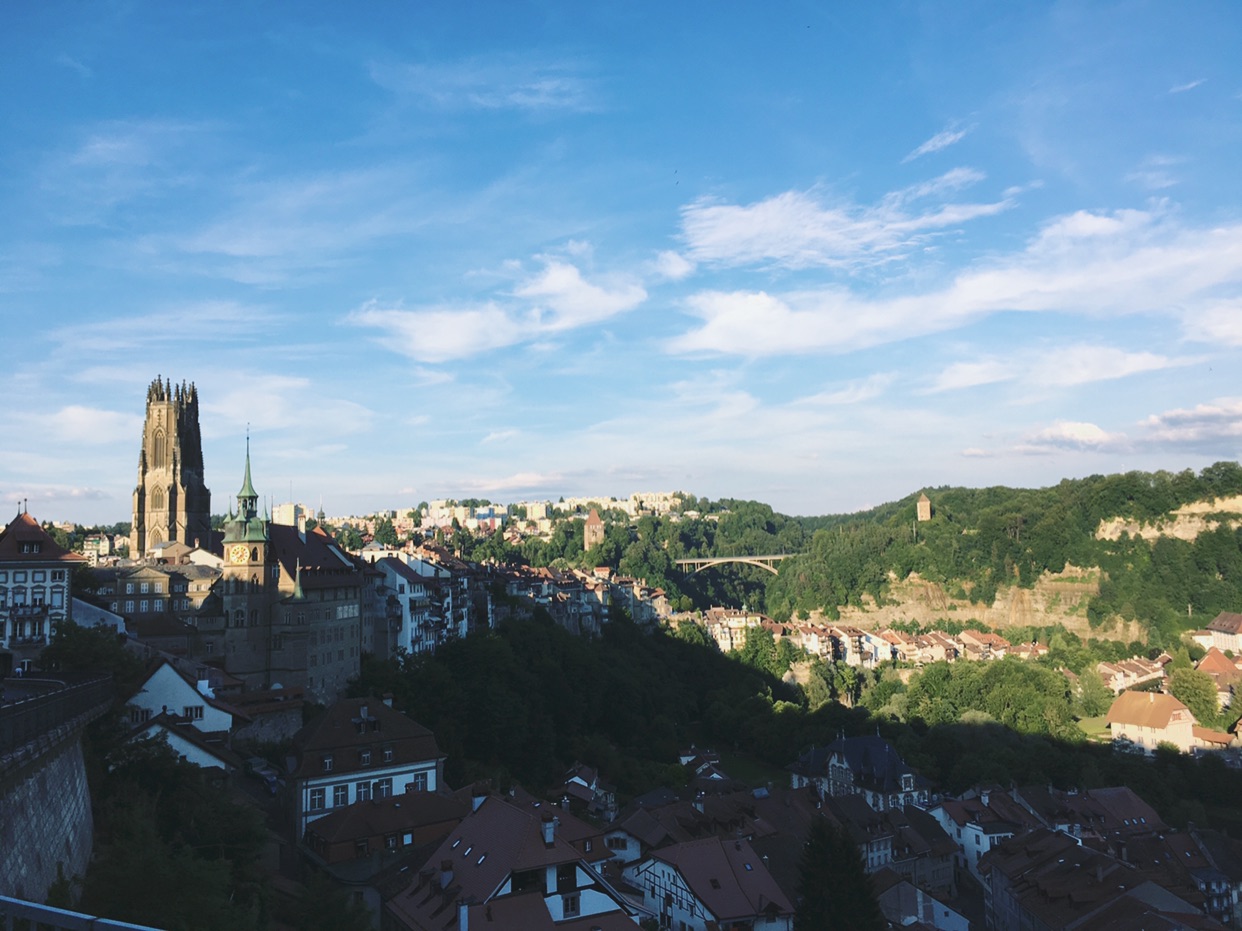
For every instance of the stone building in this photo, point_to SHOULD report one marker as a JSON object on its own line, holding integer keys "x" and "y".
{"x": 171, "y": 502}
{"x": 287, "y": 609}
{"x": 924, "y": 508}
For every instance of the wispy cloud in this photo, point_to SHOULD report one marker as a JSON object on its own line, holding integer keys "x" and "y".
{"x": 1188, "y": 86}
{"x": 212, "y": 322}
{"x": 1155, "y": 173}
{"x": 798, "y": 230}
{"x": 1097, "y": 264}
{"x": 1058, "y": 367}
{"x": 68, "y": 61}
{"x": 942, "y": 140}
{"x": 554, "y": 300}
{"x": 854, "y": 392}
{"x": 506, "y": 82}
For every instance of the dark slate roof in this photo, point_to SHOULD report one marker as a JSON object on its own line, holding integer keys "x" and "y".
{"x": 342, "y": 731}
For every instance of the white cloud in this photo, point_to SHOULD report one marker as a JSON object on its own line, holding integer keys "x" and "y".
{"x": 504, "y": 82}
{"x": 573, "y": 302}
{"x": 673, "y": 265}
{"x": 1218, "y": 322}
{"x": 90, "y": 426}
{"x": 555, "y": 300}
{"x": 1127, "y": 262}
{"x": 854, "y": 392}
{"x": 1205, "y": 425}
{"x": 1068, "y": 434}
{"x": 1189, "y": 85}
{"x": 972, "y": 374}
{"x": 797, "y": 230}
{"x": 942, "y": 140}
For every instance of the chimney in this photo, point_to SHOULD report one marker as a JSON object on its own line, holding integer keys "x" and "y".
{"x": 549, "y": 829}
{"x": 446, "y": 873}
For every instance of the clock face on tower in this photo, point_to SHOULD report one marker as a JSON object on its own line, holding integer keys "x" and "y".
{"x": 239, "y": 553}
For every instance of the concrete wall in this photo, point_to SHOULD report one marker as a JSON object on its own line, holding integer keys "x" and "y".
{"x": 45, "y": 819}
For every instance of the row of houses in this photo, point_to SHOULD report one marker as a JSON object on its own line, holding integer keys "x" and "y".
{"x": 858, "y": 647}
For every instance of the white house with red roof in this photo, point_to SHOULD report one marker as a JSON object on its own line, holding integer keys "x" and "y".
{"x": 1226, "y": 631}
{"x": 513, "y": 865}
{"x": 711, "y": 883}
{"x": 35, "y": 573}
{"x": 357, "y": 750}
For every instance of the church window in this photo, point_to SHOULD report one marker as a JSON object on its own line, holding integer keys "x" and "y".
{"x": 254, "y": 555}
{"x": 239, "y": 618}
{"x": 157, "y": 499}
{"x": 159, "y": 451}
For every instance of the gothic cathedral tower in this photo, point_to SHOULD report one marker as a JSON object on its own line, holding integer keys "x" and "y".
{"x": 171, "y": 503}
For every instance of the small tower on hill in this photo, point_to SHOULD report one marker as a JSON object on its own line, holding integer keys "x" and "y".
{"x": 924, "y": 508}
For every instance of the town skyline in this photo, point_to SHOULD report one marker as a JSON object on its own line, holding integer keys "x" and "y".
{"x": 816, "y": 258}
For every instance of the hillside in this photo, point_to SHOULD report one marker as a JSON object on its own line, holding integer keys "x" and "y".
{"x": 1136, "y": 556}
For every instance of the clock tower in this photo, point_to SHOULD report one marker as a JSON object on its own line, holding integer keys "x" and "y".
{"x": 246, "y": 591}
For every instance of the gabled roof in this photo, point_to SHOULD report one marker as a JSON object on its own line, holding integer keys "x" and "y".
{"x": 1145, "y": 709}
{"x": 345, "y": 729}
{"x": 499, "y": 838}
{"x": 1227, "y": 622}
{"x": 728, "y": 877}
{"x": 417, "y": 812}
{"x": 24, "y": 530}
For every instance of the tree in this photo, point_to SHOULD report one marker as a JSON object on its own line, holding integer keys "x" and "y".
{"x": 385, "y": 532}
{"x": 1197, "y": 691}
{"x": 836, "y": 892}
{"x": 1094, "y": 697}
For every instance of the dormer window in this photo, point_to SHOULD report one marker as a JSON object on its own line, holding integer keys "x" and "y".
{"x": 364, "y": 757}
{"x": 388, "y": 754}
{"x": 327, "y": 762}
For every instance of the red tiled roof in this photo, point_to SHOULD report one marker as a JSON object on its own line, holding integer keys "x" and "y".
{"x": 24, "y": 529}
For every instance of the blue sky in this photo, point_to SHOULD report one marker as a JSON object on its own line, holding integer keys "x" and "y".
{"x": 821, "y": 255}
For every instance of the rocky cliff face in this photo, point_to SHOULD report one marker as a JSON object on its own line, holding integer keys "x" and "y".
{"x": 1186, "y": 523}
{"x": 1059, "y": 598}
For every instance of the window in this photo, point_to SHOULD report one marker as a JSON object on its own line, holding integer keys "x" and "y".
{"x": 193, "y": 712}
{"x": 129, "y": 607}
{"x": 340, "y": 795}
{"x": 573, "y": 906}
{"x": 384, "y": 788}
{"x": 38, "y": 576}
{"x": 388, "y": 754}
{"x": 143, "y": 588}
{"x": 143, "y": 606}
{"x": 364, "y": 792}
{"x": 419, "y": 784}
{"x": 129, "y": 588}
{"x": 157, "y": 587}
{"x": 390, "y": 841}
{"x": 364, "y": 757}
{"x": 361, "y": 848}
{"x": 157, "y": 605}
{"x": 316, "y": 799}
{"x": 327, "y": 762}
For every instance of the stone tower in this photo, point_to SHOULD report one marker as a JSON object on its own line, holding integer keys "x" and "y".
{"x": 246, "y": 595}
{"x": 171, "y": 503}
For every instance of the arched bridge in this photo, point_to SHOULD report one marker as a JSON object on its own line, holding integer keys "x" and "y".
{"x": 763, "y": 562}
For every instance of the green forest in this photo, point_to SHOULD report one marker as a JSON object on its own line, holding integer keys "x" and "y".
{"x": 978, "y": 541}
{"x": 524, "y": 702}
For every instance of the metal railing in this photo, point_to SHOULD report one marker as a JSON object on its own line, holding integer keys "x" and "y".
{"x": 18, "y": 915}
{"x": 33, "y": 718}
